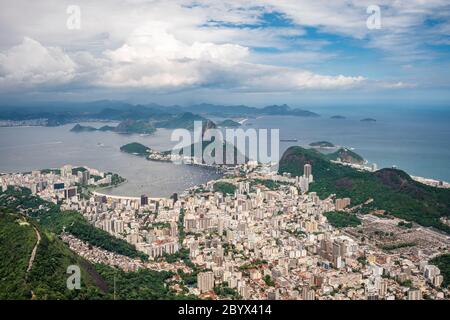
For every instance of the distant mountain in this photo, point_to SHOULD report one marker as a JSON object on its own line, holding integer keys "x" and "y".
{"x": 285, "y": 110}
{"x": 228, "y": 123}
{"x": 135, "y": 126}
{"x": 221, "y": 110}
{"x": 391, "y": 190}
{"x": 80, "y": 128}
{"x": 184, "y": 120}
{"x": 62, "y": 113}
{"x": 239, "y": 111}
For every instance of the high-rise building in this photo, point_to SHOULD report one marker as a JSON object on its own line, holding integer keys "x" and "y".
{"x": 341, "y": 204}
{"x": 144, "y": 200}
{"x": 414, "y": 294}
{"x": 84, "y": 177}
{"x": 205, "y": 281}
{"x": 66, "y": 170}
{"x": 308, "y": 294}
{"x": 70, "y": 193}
{"x": 382, "y": 288}
{"x": 307, "y": 170}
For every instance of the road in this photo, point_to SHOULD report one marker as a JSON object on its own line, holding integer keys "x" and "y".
{"x": 33, "y": 253}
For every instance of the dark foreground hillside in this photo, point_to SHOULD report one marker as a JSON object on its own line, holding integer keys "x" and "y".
{"x": 46, "y": 279}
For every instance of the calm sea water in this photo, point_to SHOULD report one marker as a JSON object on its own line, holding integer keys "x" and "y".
{"x": 28, "y": 148}
{"x": 417, "y": 141}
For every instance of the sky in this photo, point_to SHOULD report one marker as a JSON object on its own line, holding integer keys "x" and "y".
{"x": 304, "y": 53}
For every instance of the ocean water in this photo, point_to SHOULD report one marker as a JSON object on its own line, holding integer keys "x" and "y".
{"x": 31, "y": 148}
{"x": 415, "y": 140}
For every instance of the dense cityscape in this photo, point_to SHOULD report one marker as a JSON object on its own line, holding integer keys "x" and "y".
{"x": 253, "y": 234}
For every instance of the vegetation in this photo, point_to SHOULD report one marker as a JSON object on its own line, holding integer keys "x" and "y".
{"x": 143, "y": 284}
{"x": 16, "y": 243}
{"x": 341, "y": 219}
{"x": 224, "y": 187}
{"x": 135, "y": 148}
{"x": 443, "y": 263}
{"x": 391, "y": 190}
{"x": 346, "y": 155}
{"x": 394, "y": 246}
{"x": 268, "y": 280}
{"x": 224, "y": 291}
{"x": 51, "y": 217}
{"x": 270, "y": 184}
{"x": 47, "y": 277}
{"x": 80, "y": 128}
{"x": 135, "y": 126}
{"x": 184, "y": 120}
{"x": 252, "y": 265}
{"x": 406, "y": 225}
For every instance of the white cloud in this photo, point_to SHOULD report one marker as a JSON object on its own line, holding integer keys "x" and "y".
{"x": 154, "y": 58}
{"x": 30, "y": 63}
{"x": 194, "y": 44}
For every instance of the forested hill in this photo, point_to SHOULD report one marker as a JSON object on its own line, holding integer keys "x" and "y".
{"x": 47, "y": 276}
{"x": 391, "y": 190}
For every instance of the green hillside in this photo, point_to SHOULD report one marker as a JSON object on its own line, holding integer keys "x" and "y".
{"x": 135, "y": 148}
{"x": 346, "y": 155}
{"x": 135, "y": 126}
{"x": 16, "y": 244}
{"x": 51, "y": 217}
{"x": 391, "y": 190}
{"x": 47, "y": 277}
{"x": 184, "y": 120}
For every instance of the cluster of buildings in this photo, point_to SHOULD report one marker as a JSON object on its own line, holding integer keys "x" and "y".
{"x": 267, "y": 237}
{"x": 56, "y": 185}
{"x": 270, "y": 242}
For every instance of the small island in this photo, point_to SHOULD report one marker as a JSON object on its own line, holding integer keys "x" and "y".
{"x": 79, "y": 128}
{"x": 322, "y": 144}
{"x": 338, "y": 117}
{"x": 368, "y": 120}
{"x": 228, "y": 123}
{"x": 136, "y": 149}
{"x": 125, "y": 127}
